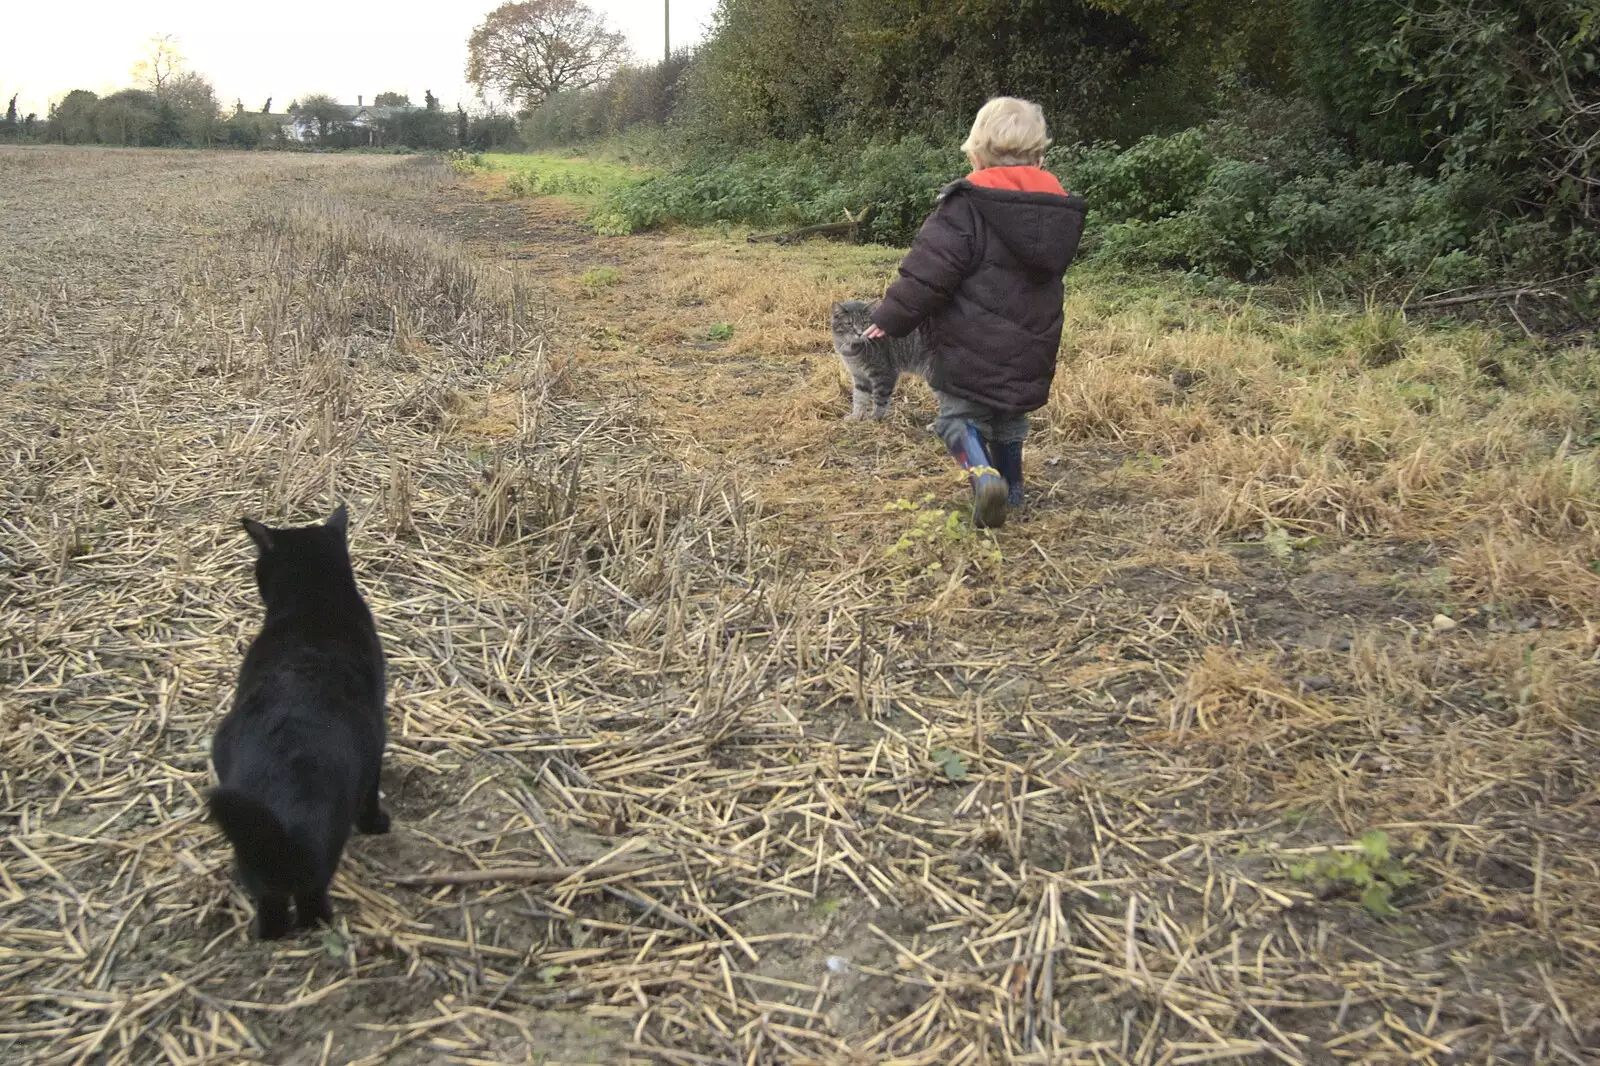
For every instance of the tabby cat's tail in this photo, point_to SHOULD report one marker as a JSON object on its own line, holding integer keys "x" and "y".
{"x": 260, "y": 841}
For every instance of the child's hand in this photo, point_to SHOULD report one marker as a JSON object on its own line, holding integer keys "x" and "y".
{"x": 872, "y": 333}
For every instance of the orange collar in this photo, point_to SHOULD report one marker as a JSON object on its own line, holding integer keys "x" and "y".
{"x": 1017, "y": 179}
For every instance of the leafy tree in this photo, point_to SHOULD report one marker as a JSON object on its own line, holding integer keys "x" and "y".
{"x": 10, "y": 127}
{"x": 774, "y": 69}
{"x": 1508, "y": 86}
{"x": 71, "y": 119}
{"x": 429, "y": 101}
{"x": 462, "y": 126}
{"x": 527, "y": 52}
{"x": 160, "y": 63}
{"x": 1208, "y": 40}
{"x": 126, "y": 118}
{"x": 244, "y": 130}
{"x": 167, "y": 127}
{"x": 194, "y": 104}
{"x": 391, "y": 100}
{"x": 322, "y": 109}
{"x": 426, "y": 129}
{"x": 796, "y": 68}
{"x": 633, "y": 96}
{"x": 487, "y": 132}
{"x": 266, "y": 108}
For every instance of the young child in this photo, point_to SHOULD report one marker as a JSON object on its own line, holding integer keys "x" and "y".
{"x": 985, "y": 273}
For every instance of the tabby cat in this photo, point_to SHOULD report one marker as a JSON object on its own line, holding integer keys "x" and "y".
{"x": 297, "y": 757}
{"x": 874, "y": 365}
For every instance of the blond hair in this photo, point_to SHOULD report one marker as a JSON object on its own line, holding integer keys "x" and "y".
{"x": 1008, "y": 132}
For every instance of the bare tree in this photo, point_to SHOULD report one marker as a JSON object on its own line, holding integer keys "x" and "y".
{"x": 160, "y": 63}
{"x": 527, "y": 52}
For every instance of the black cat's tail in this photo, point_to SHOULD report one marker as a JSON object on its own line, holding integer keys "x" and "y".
{"x": 259, "y": 840}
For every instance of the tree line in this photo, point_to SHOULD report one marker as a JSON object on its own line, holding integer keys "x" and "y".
{"x": 1247, "y": 136}
{"x": 173, "y": 106}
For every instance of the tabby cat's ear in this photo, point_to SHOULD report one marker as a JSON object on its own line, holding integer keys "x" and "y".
{"x": 340, "y": 520}
{"x": 258, "y": 533}
{"x": 836, "y": 308}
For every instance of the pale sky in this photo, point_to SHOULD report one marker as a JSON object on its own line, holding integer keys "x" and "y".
{"x": 280, "y": 48}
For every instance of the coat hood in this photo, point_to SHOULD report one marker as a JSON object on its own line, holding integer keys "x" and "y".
{"x": 1042, "y": 229}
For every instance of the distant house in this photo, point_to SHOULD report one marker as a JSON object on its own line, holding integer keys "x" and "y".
{"x": 363, "y": 118}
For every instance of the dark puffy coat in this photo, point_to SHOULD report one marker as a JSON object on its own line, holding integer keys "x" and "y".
{"x": 984, "y": 274}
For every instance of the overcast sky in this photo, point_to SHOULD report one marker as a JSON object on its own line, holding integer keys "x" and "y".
{"x": 279, "y": 48}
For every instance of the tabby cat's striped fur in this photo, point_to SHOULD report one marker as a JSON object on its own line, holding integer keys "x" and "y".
{"x": 874, "y": 365}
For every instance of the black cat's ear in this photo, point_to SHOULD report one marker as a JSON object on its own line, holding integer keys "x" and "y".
{"x": 258, "y": 533}
{"x": 340, "y": 520}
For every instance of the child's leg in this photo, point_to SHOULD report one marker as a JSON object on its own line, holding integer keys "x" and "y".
{"x": 1010, "y": 430}
{"x": 955, "y": 415}
{"x": 964, "y": 425}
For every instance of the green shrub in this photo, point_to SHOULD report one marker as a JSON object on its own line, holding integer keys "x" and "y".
{"x": 1233, "y": 200}
{"x": 531, "y": 183}
{"x": 795, "y": 185}
{"x": 464, "y": 163}
{"x": 1263, "y": 191}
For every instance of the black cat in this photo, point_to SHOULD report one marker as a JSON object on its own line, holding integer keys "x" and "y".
{"x": 297, "y": 757}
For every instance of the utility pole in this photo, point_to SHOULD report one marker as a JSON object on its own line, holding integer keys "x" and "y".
{"x": 666, "y": 31}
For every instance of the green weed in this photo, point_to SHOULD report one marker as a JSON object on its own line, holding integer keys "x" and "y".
{"x": 1372, "y": 871}
{"x": 596, "y": 279}
{"x": 951, "y": 762}
{"x": 1277, "y": 540}
{"x": 465, "y": 163}
{"x": 936, "y": 536}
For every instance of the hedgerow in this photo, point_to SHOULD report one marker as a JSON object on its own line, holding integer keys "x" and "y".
{"x": 1262, "y": 191}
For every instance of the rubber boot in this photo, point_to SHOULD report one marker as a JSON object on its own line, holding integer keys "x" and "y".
{"x": 1008, "y": 460}
{"x": 988, "y": 487}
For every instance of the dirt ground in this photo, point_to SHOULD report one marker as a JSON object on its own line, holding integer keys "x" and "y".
{"x": 796, "y": 766}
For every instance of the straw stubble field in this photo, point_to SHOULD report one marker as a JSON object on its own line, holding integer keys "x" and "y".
{"x": 687, "y": 765}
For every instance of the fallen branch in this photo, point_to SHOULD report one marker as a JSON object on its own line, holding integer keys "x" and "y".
{"x": 1544, "y": 288}
{"x": 1473, "y": 298}
{"x": 536, "y": 875}
{"x": 851, "y": 228}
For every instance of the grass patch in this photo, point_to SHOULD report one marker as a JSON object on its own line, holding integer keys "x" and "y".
{"x": 580, "y": 180}
{"x": 598, "y": 279}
